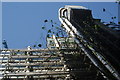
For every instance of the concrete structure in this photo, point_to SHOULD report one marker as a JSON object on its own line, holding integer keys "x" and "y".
{"x": 32, "y": 65}
{"x": 47, "y": 64}
{"x": 99, "y": 42}
{"x": 86, "y": 55}
{"x": 67, "y": 62}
